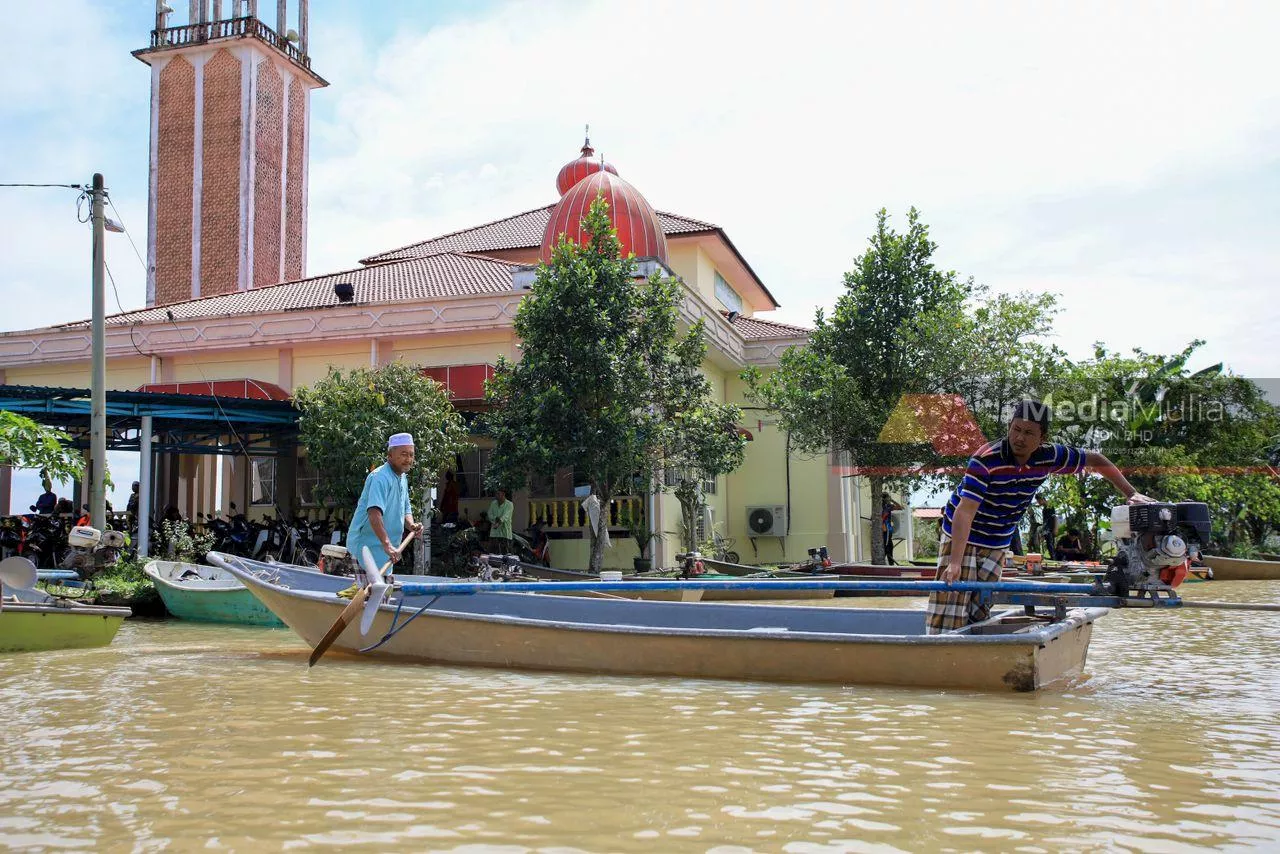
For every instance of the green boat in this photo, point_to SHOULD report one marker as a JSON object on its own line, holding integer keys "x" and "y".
{"x": 32, "y": 620}
{"x": 207, "y": 594}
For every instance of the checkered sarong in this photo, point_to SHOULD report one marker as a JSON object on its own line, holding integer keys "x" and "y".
{"x": 949, "y": 611}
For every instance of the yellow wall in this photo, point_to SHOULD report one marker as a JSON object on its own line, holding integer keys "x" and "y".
{"x": 311, "y": 364}
{"x": 697, "y": 269}
{"x": 576, "y": 554}
{"x": 122, "y": 374}
{"x": 457, "y": 349}
{"x": 763, "y": 480}
{"x": 264, "y": 365}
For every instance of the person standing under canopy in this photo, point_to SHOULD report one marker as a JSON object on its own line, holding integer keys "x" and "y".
{"x": 383, "y": 513}
{"x": 48, "y": 500}
{"x": 500, "y": 511}
{"x": 985, "y": 508}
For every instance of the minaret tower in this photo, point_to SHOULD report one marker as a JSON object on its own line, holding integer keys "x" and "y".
{"x": 230, "y": 103}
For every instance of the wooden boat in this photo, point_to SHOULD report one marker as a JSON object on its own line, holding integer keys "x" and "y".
{"x": 1239, "y": 569}
{"x": 32, "y": 620}
{"x": 785, "y": 643}
{"x": 207, "y": 594}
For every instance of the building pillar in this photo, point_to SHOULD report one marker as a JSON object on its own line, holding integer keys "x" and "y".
{"x": 6, "y": 489}
{"x": 520, "y": 515}
{"x": 837, "y": 511}
{"x": 286, "y": 480}
{"x": 144, "y": 487}
{"x": 304, "y": 15}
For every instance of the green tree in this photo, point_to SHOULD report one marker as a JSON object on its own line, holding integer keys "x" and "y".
{"x": 1203, "y": 435}
{"x": 701, "y": 439}
{"x": 348, "y": 415}
{"x": 27, "y": 444}
{"x": 904, "y": 327}
{"x": 597, "y": 355}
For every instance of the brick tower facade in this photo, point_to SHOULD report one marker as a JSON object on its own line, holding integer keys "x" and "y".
{"x": 230, "y": 102}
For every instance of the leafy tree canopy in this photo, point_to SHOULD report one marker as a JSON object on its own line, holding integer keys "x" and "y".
{"x": 26, "y": 444}
{"x": 906, "y": 332}
{"x": 348, "y": 415}
{"x": 598, "y": 386}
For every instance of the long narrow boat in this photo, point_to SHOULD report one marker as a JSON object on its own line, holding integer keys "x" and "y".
{"x": 1239, "y": 569}
{"x": 207, "y": 594}
{"x": 784, "y": 643}
{"x": 31, "y": 620}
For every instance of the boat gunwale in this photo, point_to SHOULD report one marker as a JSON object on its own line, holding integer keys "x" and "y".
{"x": 158, "y": 578}
{"x": 74, "y": 610}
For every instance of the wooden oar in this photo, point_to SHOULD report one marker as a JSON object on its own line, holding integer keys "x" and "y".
{"x": 348, "y": 614}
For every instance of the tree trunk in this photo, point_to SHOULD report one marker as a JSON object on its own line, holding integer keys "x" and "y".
{"x": 877, "y": 532}
{"x": 597, "y": 541}
{"x": 687, "y": 495}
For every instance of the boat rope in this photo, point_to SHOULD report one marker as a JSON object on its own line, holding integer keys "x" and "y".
{"x": 394, "y": 630}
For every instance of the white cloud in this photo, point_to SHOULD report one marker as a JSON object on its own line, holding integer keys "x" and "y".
{"x": 1109, "y": 151}
{"x": 790, "y": 125}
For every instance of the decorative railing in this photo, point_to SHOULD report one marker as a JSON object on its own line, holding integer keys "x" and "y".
{"x": 231, "y": 28}
{"x": 561, "y": 514}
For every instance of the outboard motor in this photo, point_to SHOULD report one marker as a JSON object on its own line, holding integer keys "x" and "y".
{"x": 691, "y": 565}
{"x": 1155, "y": 544}
{"x": 90, "y": 550}
{"x": 499, "y": 568}
{"x": 819, "y": 559}
{"x": 336, "y": 560}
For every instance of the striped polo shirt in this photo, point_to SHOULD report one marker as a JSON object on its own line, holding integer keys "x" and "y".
{"x": 1004, "y": 489}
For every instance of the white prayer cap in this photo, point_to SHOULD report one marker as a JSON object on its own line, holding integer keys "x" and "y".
{"x": 399, "y": 440}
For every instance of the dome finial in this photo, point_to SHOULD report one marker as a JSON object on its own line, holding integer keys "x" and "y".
{"x": 585, "y": 164}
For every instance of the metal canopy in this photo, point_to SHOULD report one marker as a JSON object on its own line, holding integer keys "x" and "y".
{"x": 182, "y": 423}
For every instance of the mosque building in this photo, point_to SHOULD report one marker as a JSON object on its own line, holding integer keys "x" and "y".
{"x": 230, "y": 310}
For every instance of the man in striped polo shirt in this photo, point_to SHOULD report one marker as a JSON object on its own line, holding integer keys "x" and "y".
{"x": 986, "y": 507}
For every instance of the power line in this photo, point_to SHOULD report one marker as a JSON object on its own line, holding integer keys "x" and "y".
{"x": 116, "y": 291}
{"x": 235, "y": 434}
{"x": 128, "y": 234}
{"x": 67, "y": 186}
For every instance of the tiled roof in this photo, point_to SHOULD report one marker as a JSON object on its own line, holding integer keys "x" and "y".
{"x": 522, "y": 231}
{"x": 754, "y": 328}
{"x": 443, "y": 275}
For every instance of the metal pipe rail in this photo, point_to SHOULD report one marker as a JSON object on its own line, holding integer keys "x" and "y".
{"x": 464, "y": 588}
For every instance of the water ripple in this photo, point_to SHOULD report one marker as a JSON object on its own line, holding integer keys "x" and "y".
{"x": 182, "y": 735}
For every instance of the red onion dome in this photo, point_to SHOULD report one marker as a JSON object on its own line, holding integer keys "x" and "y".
{"x": 575, "y": 170}
{"x": 637, "y": 225}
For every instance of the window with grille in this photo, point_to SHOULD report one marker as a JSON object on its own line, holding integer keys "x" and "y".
{"x": 307, "y": 480}
{"x": 262, "y": 481}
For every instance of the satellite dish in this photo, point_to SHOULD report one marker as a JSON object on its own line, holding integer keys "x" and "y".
{"x": 18, "y": 573}
{"x": 377, "y": 591}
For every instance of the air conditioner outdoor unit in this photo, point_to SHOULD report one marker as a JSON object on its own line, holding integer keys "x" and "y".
{"x": 769, "y": 520}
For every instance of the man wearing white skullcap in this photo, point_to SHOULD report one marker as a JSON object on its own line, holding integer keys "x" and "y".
{"x": 383, "y": 514}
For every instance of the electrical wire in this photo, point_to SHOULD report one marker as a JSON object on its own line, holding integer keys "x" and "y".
{"x": 132, "y": 326}
{"x": 128, "y": 234}
{"x": 234, "y": 433}
{"x": 67, "y": 186}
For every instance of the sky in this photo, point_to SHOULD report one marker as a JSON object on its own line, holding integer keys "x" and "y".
{"x": 1124, "y": 156}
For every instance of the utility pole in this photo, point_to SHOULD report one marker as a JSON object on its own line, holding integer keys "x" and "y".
{"x": 98, "y": 381}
